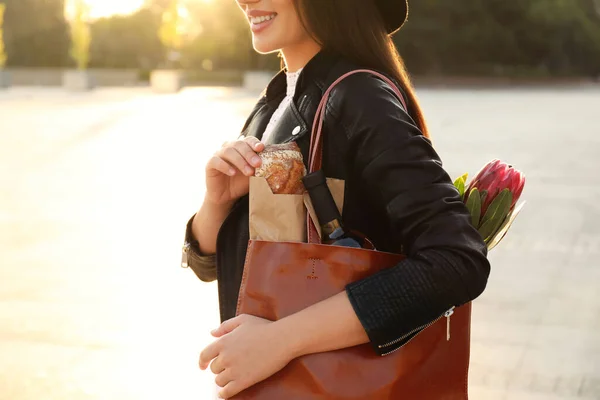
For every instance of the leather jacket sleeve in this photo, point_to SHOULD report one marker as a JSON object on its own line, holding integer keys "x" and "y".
{"x": 446, "y": 262}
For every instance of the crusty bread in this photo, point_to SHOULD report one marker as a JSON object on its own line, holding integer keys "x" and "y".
{"x": 283, "y": 168}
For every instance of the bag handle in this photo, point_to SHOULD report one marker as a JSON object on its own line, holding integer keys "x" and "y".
{"x": 316, "y": 138}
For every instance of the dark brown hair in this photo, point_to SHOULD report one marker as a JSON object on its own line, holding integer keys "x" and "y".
{"x": 355, "y": 30}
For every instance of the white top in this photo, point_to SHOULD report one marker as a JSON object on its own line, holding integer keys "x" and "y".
{"x": 292, "y": 80}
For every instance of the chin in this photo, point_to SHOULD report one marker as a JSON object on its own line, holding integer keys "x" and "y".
{"x": 265, "y": 46}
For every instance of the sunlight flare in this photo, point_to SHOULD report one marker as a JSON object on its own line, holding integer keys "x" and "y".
{"x": 107, "y": 8}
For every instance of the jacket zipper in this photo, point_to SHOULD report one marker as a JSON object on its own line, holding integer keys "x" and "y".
{"x": 446, "y": 314}
{"x": 302, "y": 103}
{"x": 184, "y": 255}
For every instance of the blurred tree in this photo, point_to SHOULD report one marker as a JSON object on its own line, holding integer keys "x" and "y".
{"x": 501, "y": 37}
{"x": 36, "y": 33}
{"x": 170, "y": 29}
{"x": 80, "y": 33}
{"x": 177, "y": 29}
{"x": 223, "y": 40}
{"x": 2, "y": 50}
{"x": 472, "y": 37}
{"x": 127, "y": 41}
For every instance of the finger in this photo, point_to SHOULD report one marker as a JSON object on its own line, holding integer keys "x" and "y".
{"x": 227, "y": 326}
{"x": 208, "y": 354}
{"x": 224, "y": 378}
{"x": 217, "y": 366}
{"x": 256, "y": 144}
{"x": 233, "y": 156}
{"x": 218, "y": 164}
{"x": 248, "y": 152}
{"x": 231, "y": 389}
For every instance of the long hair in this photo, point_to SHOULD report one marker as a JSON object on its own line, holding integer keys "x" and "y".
{"x": 355, "y": 30}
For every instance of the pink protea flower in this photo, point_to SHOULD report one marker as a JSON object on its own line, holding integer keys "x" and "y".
{"x": 495, "y": 177}
{"x": 491, "y": 198}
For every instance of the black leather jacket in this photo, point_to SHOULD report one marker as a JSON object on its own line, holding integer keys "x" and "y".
{"x": 397, "y": 194}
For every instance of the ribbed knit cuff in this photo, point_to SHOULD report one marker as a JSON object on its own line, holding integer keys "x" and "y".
{"x": 394, "y": 304}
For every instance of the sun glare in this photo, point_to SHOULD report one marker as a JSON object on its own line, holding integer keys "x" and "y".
{"x": 106, "y": 8}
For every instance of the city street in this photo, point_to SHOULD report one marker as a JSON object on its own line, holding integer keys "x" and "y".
{"x": 96, "y": 188}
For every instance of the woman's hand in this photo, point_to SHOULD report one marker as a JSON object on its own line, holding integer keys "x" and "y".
{"x": 228, "y": 171}
{"x": 248, "y": 351}
{"x": 251, "y": 349}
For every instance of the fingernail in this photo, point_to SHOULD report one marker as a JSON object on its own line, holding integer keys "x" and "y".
{"x": 257, "y": 145}
{"x": 232, "y": 172}
{"x": 256, "y": 161}
{"x": 249, "y": 170}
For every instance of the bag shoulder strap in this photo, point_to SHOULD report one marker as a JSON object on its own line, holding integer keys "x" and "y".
{"x": 316, "y": 139}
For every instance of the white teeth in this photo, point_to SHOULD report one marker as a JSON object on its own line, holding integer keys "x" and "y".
{"x": 258, "y": 20}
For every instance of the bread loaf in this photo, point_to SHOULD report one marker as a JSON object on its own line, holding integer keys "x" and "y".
{"x": 283, "y": 168}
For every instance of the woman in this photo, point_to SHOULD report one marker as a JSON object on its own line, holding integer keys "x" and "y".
{"x": 397, "y": 192}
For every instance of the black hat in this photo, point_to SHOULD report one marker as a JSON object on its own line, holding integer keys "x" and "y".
{"x": 395, "y": 13}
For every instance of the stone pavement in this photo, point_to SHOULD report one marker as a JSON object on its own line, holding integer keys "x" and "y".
{"x": 95, "y": 189}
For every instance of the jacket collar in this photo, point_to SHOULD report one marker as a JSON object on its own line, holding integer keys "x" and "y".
{"x": 295, "y": 122}
{"x": 316, "y": 72}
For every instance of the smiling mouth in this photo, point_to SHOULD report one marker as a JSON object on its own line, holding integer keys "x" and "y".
{"x": 257, "y": 21}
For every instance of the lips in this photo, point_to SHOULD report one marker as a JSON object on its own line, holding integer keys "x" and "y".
{"x": 260, "y": 20}
{"x": 258, "y": 13}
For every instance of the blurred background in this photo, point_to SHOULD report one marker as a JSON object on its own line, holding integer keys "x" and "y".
{"x": 109, "y": 110}
{"x": 476, "y": 38}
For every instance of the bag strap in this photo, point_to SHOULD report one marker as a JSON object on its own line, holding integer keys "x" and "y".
{"x": 316, "y": 138}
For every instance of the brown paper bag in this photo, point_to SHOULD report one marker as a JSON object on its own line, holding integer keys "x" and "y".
{"x": 275, "y": 217}
{"x": 282, "y": 217}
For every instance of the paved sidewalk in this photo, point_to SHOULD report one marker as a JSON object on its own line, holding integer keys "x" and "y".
{"x": 95, "y": 189}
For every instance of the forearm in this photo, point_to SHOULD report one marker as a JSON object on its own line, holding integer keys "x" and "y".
{"x": 328, "y": 325}
{"x": 206, "y": 225}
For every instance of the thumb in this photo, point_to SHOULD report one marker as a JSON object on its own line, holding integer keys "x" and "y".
{"x": 227, "y": 327}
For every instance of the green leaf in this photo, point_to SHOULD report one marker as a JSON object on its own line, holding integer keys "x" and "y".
{"x": 460, "y": 184}
{"x": 488, "y": 228}
{"x": 495, "y": 215}
{"x": 474, "y": 206}
{"x": 500, "y": 207}
{"x": 510, "y": 218}
{"x": 483, "y": 194}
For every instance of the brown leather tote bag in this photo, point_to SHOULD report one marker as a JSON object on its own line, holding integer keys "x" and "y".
{"x": 280, "y": 279}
